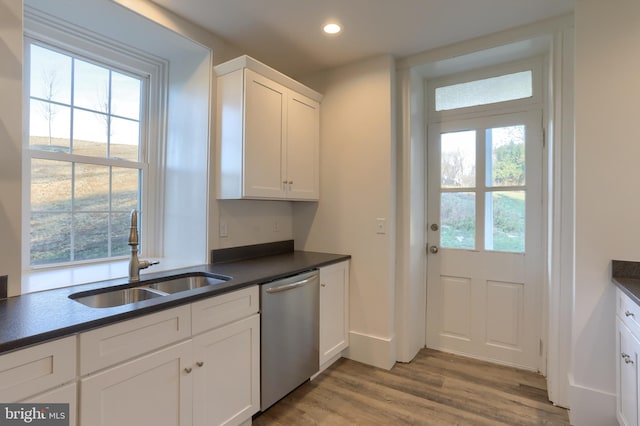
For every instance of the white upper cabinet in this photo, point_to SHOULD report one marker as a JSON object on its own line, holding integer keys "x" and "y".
{"x": 268, "y": 129}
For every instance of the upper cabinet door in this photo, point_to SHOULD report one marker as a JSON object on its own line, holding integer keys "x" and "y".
{"x": 303, "y": 117}
{"x": 268, "y": 133}
{"x": 264, "y": 125}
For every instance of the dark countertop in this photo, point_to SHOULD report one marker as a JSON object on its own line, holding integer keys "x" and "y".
{"x": 37, "y": 317}
{"x": 626, "y": 276}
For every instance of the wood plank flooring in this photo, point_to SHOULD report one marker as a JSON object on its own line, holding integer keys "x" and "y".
{"x": 436, "y": 388}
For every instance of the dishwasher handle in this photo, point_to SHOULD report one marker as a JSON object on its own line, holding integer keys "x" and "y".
{"x": 291, "y": 286}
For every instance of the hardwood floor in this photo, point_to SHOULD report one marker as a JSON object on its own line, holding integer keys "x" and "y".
{"x": 436, "y": 388}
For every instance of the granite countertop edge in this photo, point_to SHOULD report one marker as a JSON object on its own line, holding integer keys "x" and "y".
{"x": 35, "y": 318}
{"x": 626, "y": 276}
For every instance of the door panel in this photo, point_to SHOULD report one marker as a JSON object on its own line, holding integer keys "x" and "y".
{"x": 485, "y": 215}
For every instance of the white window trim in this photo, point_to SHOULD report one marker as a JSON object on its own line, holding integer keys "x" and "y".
{"x": 54, "y": 32}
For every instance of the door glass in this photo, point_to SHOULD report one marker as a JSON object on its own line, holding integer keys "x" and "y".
{"x": 458, "y": 170}
{"x": 458, "y": 159}
{"x": 505, "y": 221}
{"x": 458, "y": 220}
{"x": 505, "y": 156}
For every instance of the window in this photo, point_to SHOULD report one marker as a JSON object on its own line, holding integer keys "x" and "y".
{"x": 87, "y": 157}
{"x": 507, "y": 87}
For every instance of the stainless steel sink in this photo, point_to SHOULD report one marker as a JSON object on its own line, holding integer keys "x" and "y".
{"x": 177, "y": 285}
{"x": 107, "y": 299}
{"x": 117, "y": 297}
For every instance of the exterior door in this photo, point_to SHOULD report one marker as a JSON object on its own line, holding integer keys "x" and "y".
{"x": 485, "y": 238}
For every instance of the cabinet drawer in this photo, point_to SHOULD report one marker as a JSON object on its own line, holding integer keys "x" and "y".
{"x": 36, "y": 369}
{"x": 112, "y": 344}
{"x": 223, "y": 309}
{"x": 629, "y": 312}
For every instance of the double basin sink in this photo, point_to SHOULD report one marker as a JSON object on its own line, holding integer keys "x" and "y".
{"x": 106, "y": 298}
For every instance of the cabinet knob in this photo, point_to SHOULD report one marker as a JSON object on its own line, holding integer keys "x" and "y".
{"x": 629, "y": 314}
{"x": 187, "y": 370}
{"x": 200, "y": 363}
{"x": 290, "y": 182}
{"x": 323, "y": 285}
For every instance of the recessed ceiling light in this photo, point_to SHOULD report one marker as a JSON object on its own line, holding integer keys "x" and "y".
{"x": 332, "y": 28}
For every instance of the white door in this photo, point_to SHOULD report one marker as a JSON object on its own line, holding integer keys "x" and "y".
{"x": 485, "y": 238}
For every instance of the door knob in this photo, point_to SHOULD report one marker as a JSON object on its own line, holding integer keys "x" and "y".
{"x": 433, "y": 249}
{"x": 434, "y": 227}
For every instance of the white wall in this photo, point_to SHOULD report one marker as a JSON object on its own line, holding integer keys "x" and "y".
{"x": 607, "y": 89}
{"x": 357, "y": 186}
{"x": 10, "y": 141}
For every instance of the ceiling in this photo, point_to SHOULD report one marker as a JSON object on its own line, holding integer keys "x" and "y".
{"x": 287, "y": 34}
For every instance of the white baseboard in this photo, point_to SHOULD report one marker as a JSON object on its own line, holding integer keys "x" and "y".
{"x": 373, "y": 350}
{"x": 591, "y": 407}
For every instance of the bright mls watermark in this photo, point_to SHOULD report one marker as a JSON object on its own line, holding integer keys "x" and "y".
{"x": 34, "y": 414}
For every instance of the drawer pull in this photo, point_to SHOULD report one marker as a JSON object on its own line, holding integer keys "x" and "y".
{"x": 200, "y": 363}
{"x": 628, "y": 360}
{"x": 187, "y": 370}
{"x": 629, "y": 314}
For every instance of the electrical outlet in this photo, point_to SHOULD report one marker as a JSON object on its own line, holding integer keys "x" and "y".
{"x": 224, "y": 230}
{"x": 276, "y": 227}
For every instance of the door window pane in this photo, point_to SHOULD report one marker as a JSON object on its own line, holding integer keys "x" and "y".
{"x": 458, "y": 159}
{"x": 505, "y": 221}
{"x": 458, "y": 220}
{"x": 486, "y": 91}
{"x": 506, "y": 156}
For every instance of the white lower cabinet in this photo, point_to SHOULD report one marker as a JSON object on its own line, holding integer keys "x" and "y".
{"x": 211, "y": 378}
{"x": 151, "y": 390}
{"x": 627, "y": 375}
{"x": 334, "y": 312}
{"x": 227, "y": 376}
{"x": 627, "y": 357}
{"x": 41, "y": 374}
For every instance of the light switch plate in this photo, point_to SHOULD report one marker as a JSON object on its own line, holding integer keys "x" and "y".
{"x": 381, "y": 225}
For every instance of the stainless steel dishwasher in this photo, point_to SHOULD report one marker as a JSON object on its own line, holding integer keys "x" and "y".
{"x": 289, "y": 335}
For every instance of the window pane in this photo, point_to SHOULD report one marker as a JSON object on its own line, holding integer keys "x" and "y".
{"x": 50, "y": 238}
{"x": 125, "y": 138}
{"x": 50, "y": 185}
{"x": 506, "y": 151}
{"x": 458, "y": 159}
{"x": 49, "y": 126}
{"x": 458, "y": 220}
{"x": 120, "y": 234}
{"x": 125, "y": 96}
{"x": 90, "y": 133}
{"x": 91, "y": 187}
{"x": 50, "y": 75}
{"x": 125, "y": 187}
{"x": 505, "y": 228}
{"x": 487, "y": 91}
{"x": 91, "y": 236}
{"x": 91, "y": 86}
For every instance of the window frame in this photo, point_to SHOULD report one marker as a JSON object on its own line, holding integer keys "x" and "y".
{"x": 53, "y": 34}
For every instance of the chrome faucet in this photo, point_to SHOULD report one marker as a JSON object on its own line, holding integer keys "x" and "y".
{"x": 136, "y": 264}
